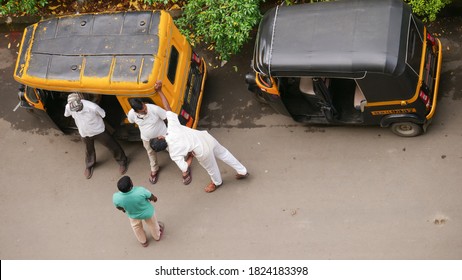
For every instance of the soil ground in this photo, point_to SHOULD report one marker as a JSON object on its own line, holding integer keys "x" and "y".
{"x": 61, "y": 7}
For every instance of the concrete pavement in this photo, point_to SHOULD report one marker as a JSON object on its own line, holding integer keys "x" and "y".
{"x": 313, "y": 193}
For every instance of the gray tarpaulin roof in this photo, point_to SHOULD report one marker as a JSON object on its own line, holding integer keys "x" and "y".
{"x": 349, "y": 36}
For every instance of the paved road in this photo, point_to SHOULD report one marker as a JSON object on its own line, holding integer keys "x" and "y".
{"x": 313, "y": 193}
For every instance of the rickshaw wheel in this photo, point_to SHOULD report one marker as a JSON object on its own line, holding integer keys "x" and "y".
{"x": 406, "y": 129}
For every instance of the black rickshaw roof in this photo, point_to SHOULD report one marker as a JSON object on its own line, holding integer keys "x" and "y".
{"x": 344, "y": 38}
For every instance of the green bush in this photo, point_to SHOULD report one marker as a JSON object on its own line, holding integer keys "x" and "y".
{"x": 427, "y": 9}
{"x": 30, "y": 7}
{"x": 226, "y": 24}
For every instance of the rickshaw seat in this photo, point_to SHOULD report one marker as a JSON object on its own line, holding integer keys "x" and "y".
{"x": 306, "y": 85}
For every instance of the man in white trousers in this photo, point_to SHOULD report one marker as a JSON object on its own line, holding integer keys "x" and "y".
{"x": 183, "y": 141}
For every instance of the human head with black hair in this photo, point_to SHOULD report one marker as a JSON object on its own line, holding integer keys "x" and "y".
{"x": 125, "y": 184}
{"x": 137, "y": 104}
{"x": 158, "y": 144}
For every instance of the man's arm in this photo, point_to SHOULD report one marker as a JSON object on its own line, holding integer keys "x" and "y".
{"x": 67, "y": 112}
{"x": 131, "y": 116}
{"x": 153, "y": 198}
{"x": 158, "y": 88}
{"x": 182, "y": 163}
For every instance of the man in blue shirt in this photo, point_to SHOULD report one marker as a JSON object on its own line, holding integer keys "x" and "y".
{"x": 135, "y": 202}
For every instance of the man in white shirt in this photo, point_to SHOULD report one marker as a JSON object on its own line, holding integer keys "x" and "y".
{"x": 182, "y": 141}
{"x": 88, "y": 117}
{"x": 150, "y": 120}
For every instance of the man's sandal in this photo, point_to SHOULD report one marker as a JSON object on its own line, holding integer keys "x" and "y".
{"x": 211, "y": 187}
{"x": 162, "y": 228}
{"x": 240, "y": 176}
{"x": 153, "y": 177}
{"x": 188, "y": 178}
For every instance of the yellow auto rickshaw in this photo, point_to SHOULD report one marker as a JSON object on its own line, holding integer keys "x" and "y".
{"x": 109, "y": 58}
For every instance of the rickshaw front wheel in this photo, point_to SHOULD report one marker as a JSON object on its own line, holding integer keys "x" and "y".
{"x": 406, "y": 129}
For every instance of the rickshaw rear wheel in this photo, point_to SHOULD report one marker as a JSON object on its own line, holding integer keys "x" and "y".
{"x": 406, "y": 129}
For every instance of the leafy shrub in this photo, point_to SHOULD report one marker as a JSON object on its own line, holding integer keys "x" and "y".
{"x": 22, "y": 6}
{"x": 427, "y": 9}
{"x": 226, "y": 24}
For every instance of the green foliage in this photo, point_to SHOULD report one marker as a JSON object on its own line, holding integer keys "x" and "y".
{"x": 427, "y": 9}
{"x": 23, "y": 6}
{"x": 226, "y": 24}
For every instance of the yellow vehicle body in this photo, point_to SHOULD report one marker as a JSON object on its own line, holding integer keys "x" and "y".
{"x": 110, "y": 58}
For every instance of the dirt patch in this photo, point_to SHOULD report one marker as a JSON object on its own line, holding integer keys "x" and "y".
{"x": 65, "y": 7}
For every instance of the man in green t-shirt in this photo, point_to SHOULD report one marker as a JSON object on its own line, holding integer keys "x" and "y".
{"x": 135, "y": 202}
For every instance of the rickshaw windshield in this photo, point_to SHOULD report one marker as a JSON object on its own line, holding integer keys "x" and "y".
{"x": 414, "y": 44}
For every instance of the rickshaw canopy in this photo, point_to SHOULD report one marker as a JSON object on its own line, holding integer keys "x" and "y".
{"x": 101, "y": 53}
{"x": 338, "y": 38}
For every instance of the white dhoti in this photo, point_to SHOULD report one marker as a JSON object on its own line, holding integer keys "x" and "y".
{"x": 215, "y": 150}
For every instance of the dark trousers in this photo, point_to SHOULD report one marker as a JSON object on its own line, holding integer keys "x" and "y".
{"x": 109, "y": 142}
